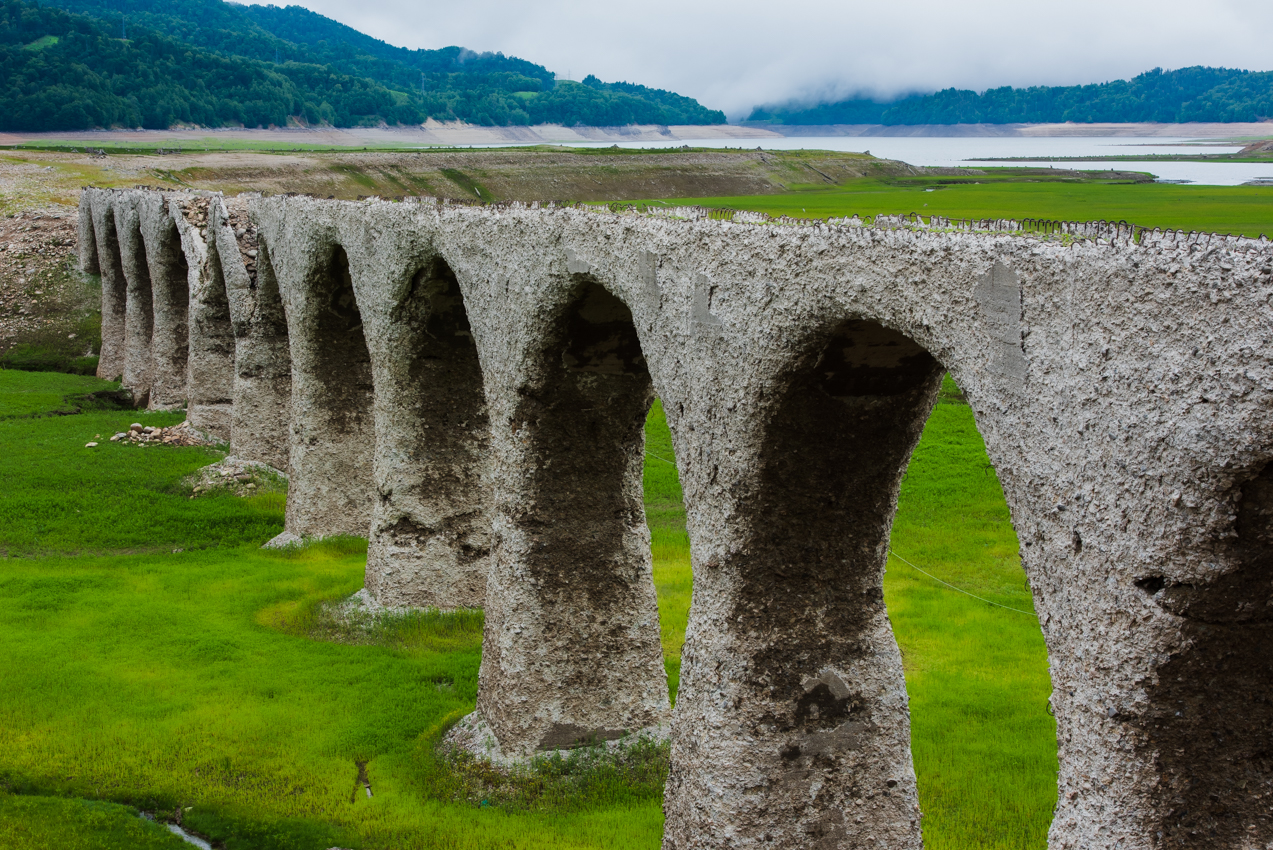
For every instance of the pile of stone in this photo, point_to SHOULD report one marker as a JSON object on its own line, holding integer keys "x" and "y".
{"x": 238, "y": 476}
{"x": 176, "y": 435}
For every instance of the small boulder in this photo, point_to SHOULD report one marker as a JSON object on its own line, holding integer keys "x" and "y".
{"x": 90, "y": 445}
{"x": 136, "y": 426}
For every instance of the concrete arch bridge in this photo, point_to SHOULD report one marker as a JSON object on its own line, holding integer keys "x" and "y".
{"x": 467, "y": 385}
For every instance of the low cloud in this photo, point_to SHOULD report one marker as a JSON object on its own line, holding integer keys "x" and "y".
{"x": 737, "y": 54}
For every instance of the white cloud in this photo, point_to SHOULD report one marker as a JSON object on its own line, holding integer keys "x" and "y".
{"x": 734, "y": 54}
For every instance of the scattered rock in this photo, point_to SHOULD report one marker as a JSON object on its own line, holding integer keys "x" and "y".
{"x": 176, "y": 435}
{"x": 237, "y": 476}
{"x": 90, "y": 445}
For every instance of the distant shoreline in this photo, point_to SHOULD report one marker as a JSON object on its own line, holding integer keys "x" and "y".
{"x": 435, "y": 133}
{"x": 1147, "y": 130}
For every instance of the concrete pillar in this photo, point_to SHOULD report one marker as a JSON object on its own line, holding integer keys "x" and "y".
{"x": 87, "y": 244}
{"x": 170, "y": 281}
{"x": 571, "y": 651}
{"x": 792, "y": 727}
{"x": 430, "y": 530}
{"x": 1162, "y": 672}
{"x": 139, "y": 310}
{"x": 332, "y": 427}
{"x": 110, "y": 363}
{"x": 263, "y": 373}
{"x": 211, "y": 362}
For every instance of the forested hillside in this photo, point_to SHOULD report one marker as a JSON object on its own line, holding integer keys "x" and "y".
{"x": 1187, "y": 94}
{"x": 157, "y": 63}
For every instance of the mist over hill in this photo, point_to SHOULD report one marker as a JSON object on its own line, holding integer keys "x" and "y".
{"x": 78, "y": 64}
{"x": 1187, "y": 94}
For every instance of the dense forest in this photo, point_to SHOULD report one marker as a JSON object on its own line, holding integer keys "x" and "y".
{"x": 78, "y": 64}
{"x": 1187, "y": 94}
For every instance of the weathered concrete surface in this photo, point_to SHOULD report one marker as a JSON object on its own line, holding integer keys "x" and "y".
{"x": 399, "y": 321}
{"x": 106, "y": 259}
{"x": 572, "y": 650}
{"x": 212, "y": 344}
{"x": 139, "y": 310}
{"x": 169, "y": 274}
{"x": 332, "y": 433}
{"x": 262, "y": 389}
{"x": 1122, "y": 381}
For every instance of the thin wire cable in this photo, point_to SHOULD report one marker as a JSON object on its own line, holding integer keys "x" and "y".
{"x": 959, "y": 589}
{"x": 656, "y": 457}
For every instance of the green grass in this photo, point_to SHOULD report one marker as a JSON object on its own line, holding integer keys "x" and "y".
{"x": 54, "y": 823}
{"x": 31, "y": 394}
{"x": 62, "y": 498}
{"x": 983, "y": 740}
{"x": 1246, "y": 210}
{"x": 212, "y": 681}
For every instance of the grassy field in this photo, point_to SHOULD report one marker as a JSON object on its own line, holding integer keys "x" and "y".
{"x": 1246, "y": 210}
{"x": 196, "y": 681}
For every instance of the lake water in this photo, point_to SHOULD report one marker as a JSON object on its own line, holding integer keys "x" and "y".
{"x": 973, "y": 151}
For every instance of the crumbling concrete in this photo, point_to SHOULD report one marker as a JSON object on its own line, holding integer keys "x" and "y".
{"x": 1121, "y": 378}
{"x": 262, "y": 394}
{"x": 169, "y": 275}
{"x": 383, "y": 308}
{"x": 98, "y": 219}
{"x": 212, "y": 344}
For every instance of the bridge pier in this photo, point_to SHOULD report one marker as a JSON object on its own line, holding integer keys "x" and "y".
{"x": 429, "y": 543}
{"x": 332, "y": 428}
{"x": 212, "y": 344}
{"x": 170, "y": 288}
{"x": 571, "y": 652}
{"x": 792, "y": 728}
{"x": 110, "y": 361}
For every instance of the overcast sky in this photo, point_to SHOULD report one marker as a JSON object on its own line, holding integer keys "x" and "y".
{"x": 734, "y": 54}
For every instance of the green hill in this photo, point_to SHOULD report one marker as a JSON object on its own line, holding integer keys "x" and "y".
{"x": 1186, "y": 94}
{"x": 78, "y": 64}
